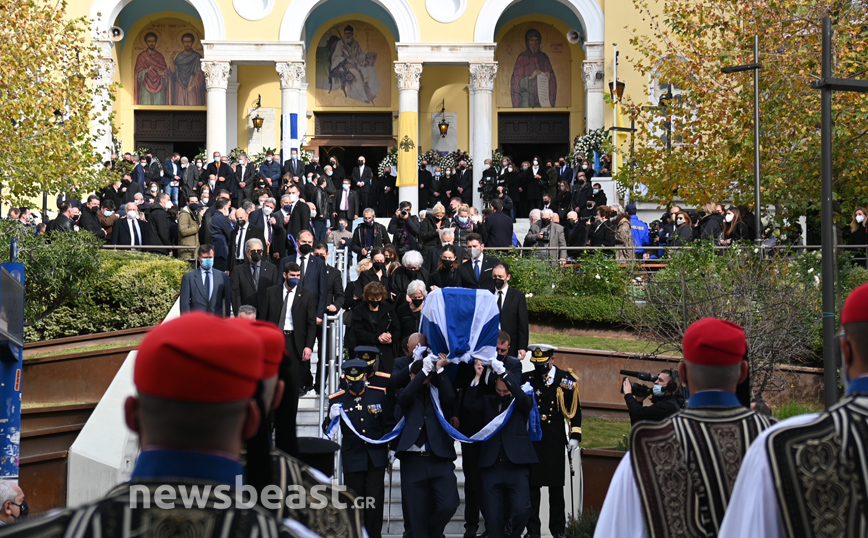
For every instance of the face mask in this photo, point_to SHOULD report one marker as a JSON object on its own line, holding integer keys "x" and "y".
{"x": 108, "y": 213}
{"x": 448, "y": 173}
{"x": 287, "y": 207}
{"x": 154, "y": 190}
{"x": 240, "y": 223}
{"x": 584, "y": 167}
{"x": 23, "y": 510}
{"x": 293, "y": 198}
{"x": 329, "y": 174}
{"x": 356, "y": 387}
{"x": 294, "y": 157}
{"x": 524, "y": 167}
{"x": 379, "y": 266}
{"x": 132, "y": 214}
{"x": 729, "y": 217}
{"x": 542, "y": 367}
{"x": 536, "y": 163}
{"x": 505, "y": 163}
{"x": 361, "y": 162}
{"x": 269, "y": 159}
{"x": 562, "y": 163}
{"x": 680, "y": 221}
{"x": 183, "y": 166}
{"x": 860, "y": 218}
{"x": 463, "y": 220}
{"x": 447, "y": 262}
{"x": 292, "y": 282}
{"x": 267, "y": 211}
{"x": 205, "y": 200}
{"x": 510, "y": 169}
{"x": 563, "y": 188}
{"x": 505, "y": 400}
{"x": 417, "y": 302}
{"x": 573, "y": 222}
{"x": 217, "y": 160}
{"x": 198, "y": 165}
{"x": 207, "y": 263}
{"x": 346, "y": 187}
{"x": 499, "y": 283}
{"x": 486, "y": 167}
{"x": 342, "y": 226}
{"x": 375, "y": 304}
{"x": 545, "y": 222}
{"x": 657, "y": 390}
{"x": 369, "y": 223}
{"x": 596, "y": 191}
{"x": 475, "y": 253}
{"x": 305, "y": 249}
{"x": 255, "y": 257}
{"x": 436, "y": 174}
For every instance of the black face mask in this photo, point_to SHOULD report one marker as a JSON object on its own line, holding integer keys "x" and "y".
{"x": 379, "y": 266}
{"x": 23, "y": 510}
{"x": 499, "y": 283}
{"x": 375, "y": 304}
{"x": 505, "y": 400}
{"x": 305, "y": 249}
{"x": 255, "y": 257}
{"x": 356, "y": 387}
{"x": 412, "y": 273}
{"x": 369, "y": 223}
{"x": 417, "y": 302}
{"x": 542, "y": 367}
{"x": 361, "y": 162}
{"x": 545, "y": 222}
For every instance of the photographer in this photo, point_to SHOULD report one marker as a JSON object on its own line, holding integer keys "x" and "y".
{"x": 663, "y": 400}
{"x": 404, "y": 228}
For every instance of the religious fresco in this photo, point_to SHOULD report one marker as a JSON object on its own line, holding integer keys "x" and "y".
{"x": 353, "y": 66}
{"x": 533, "y": 67}
{"x": 167, "y": 56}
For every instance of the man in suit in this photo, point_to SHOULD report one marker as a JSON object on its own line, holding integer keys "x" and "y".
{"x": 334, "y": 299}
{"x": 272, "y": 229}
{"x": 154, "y": 171}
{"x": 314, "y": 168}
{"x": 89, "y": 219}
{"x": 221, "y": 234}
{"x": 206, "y": 288}
{"x": 498, "y": 227}
{"x": 425, "y": 179}
{"x": 513, "y": 310}
{"x": 463, "y": 181}
{"x": 250, "y": 280}
{"x": 140, "y": 174}
{"x": 158, "y": 224}
{"x": 299, "y": 216}
{"x": 426, "y": 451}
{"x": 293, "y": 166}
{"x": 222, "y": 172}
{"x": 368, "y": 235}
{"x": 243, "y": 231}
{"x": 363, "y": 178}
{"x": 346, "y": 203}
{"x": 291, "y": 307}
{"x": 475, "y": 273}
{"x": 205, "y": 229}
{"x": 172, "y": 177}
{"x": 447, "y": 237}
{"x": 565, "y": 173}
{"x": 245, "y": 179}
{"x": 505, "y": 459}
{"x": 130, "y": 230}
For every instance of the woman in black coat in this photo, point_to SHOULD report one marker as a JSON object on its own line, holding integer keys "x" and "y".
{"x": 446, "y": 275}
{"x": 563, "y": 200}
{"x": 377, "y": 272}
{"x": 409, "y": 311}
{"x": 375, "y": 323}
{"x": 602, "y": 231}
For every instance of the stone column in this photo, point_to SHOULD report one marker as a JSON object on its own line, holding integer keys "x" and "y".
{"x": 302, "y": 112}
{"x": 216, "y": 83}
{"x": 232, "y": 112}
{"x": 593, "y": 73}
{"x": 408, "y": 75}
{"x": 102, "y": 127}
{"x": 482, "y": 77}
{"x": 291, "y": 77}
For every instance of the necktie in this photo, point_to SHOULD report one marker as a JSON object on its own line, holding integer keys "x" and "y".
{"x": 137, "y": 240}
{"x": 270, "y": 232}
{"x": 345, "y": 204}
{"x": 256, "y": 277}
{"x": 208, "y": 284}
{"x": 476, "y": 269}
{"x": 239, "y": 244}
{"x": 499, "y": 300}
{"x": 303, "y": 268}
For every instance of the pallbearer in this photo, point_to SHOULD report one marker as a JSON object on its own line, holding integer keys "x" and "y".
{"x": 557, "y": 394}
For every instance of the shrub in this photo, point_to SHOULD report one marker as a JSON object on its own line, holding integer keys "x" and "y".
{"x": 590, "y": 308}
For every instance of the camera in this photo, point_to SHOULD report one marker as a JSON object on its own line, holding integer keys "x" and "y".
{"x": 546, "y": 234}
{"x": 488, "y": 188}
{"x": 404, "y": 213}
{"x": 639, "y": 390}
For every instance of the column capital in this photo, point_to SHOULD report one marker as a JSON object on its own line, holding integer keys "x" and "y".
{"x": 482, "y": 76}
{"x": 105, "y": 71}
{"x": 593, "y": 74}
{"x": 291, "y": 74}
{"x": 216, "y": 74}
{"x": 408, "y": 75}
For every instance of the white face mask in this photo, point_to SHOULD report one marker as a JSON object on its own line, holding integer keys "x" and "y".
{"x": 205, "y": 200}
{"x": 860, "y": 218}
{"x": 510, "y": 169}
{"x": 536, "y": 163}
{"x": 680, "y": 221}
{"x": 266, "y": 211}
{"x": 729, "y": 217}
{"x": 584, "y": 167}
{"x": 269, "y": 159}
{"x": 293, "y": 198}
{"x": 132, "y": 214}
{"x": 486, "y": 167}
{"x": 183, "y": 166}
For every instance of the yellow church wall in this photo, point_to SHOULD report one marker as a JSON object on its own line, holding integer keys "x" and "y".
{"x": 449, "y": 83}
{"x": 256, "y": 80}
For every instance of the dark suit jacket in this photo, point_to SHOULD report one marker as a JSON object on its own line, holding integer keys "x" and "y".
{"x": 243, "y": 290}
{"x": 303, "y": 316}
{"x": 205, "y": 228}
{"x": 223, "y": 171}
{"x": 335, "y": 295}
{"x": 415, "y": 406}
{"x": 248, "y": 178}
{"x": 221, "y": 235}
{"x": 169, "y": 173}
{"x": 513, "y": 319}
{"x": 468, "y": 275}
{"x": 365, "y": 176}
{"x": 352, "y": 203}
{"x": 90, "y": 222}
{"x": 299, "y": 219}
{"x": 158, "y": 229}
{"x": 315, "y": 279}
{"x": 295, "y": 170}
{"x": 253, "y": 232}
{"x": 121, "y": 233}
{"x": 194, "y": 296}
{"x": 498, "y": 229}
{"x": 514, "y": 438}
{"x": 130, "y": 194}
{"x": 278, "y": 232}
{"x": 464, "y": 180}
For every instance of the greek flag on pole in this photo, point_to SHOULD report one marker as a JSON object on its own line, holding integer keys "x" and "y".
{"x": 332, "y": 430}
{"x": 462, "y": 323}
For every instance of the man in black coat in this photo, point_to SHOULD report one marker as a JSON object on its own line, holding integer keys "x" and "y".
{"x": 505, "y": 459}
{"x": 463, "y": 181}
{"x": 293, "y": 165}
{"x": 314, "y": 168}
{"x": 62, "y": 223}
{"x": 243, "y": 231}
{"x": 362, "y": 182}
{"x": 498, "y": 227}
{"x": 291, "y": 307}
{"x": 426, "y": 451}
{"x": 272, "y": 230}
{"x": 223, "y": 173}
{"x": 299, "y": 216}
{"x": 368, "y": 235}
{"x": 130, "y": 230}
{"x": 425, "y": 179}
{"x": 89, "y": 219}
{"x": 114, "y": 192}
{"x": 205, "y": 228}
{"x": 159, "y": 224}
{"x": 334, "y": 300}
{"x": 346, "y": 203}
{"x": 250, "y": 280}
{"x": 513, "y": 310}
{"x": 245, "y": 180}
{"x": 475, "y": 273}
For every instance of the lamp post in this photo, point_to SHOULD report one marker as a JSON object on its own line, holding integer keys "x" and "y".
{"x": 755, "y": 67}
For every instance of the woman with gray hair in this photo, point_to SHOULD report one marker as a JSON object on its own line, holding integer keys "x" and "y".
{"x": 411, "y": 269}
{"x": 409, "y": 312}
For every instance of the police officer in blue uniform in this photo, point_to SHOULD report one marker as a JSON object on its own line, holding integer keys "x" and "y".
{"x": 505, "y": 459}
{"x": 557, "y": 395}
{"x": 372, "y": 416}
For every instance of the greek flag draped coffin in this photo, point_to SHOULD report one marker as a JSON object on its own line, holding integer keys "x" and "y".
{"x": 462, "y": 323}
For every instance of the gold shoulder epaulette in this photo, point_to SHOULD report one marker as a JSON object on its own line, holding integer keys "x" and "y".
{"x": 573, "y": 374}
{"x": 336, "y": 394}
{"x": 377, "y": 388}
{"x": 383, "y": 374}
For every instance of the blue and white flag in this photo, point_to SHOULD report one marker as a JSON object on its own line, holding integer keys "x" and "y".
{"x": 462, "y": 323}
{"x": 331, "y": 431}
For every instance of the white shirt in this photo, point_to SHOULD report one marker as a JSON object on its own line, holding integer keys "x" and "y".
{"x": 304, "y": 263}
{"x": 345, "y": 200}
{"x": 242, "y": 237}
{"x": 135, "y": 231}
{"x": 288, "y": 297}
{"x": 361, "y": 170}
{"x": 497, "y": 293}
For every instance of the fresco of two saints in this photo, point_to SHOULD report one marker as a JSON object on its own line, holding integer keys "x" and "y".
{"x": 535, "y": 67}
{"x": 350, "y": 65}
{"x": 177, "y": 81}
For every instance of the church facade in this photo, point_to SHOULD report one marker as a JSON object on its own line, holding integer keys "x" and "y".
{"x": 345, "y": 78}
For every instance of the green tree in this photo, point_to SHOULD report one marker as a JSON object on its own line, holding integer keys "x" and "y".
{"x": 712, "y": 158}
{"x": 50, "y": 77}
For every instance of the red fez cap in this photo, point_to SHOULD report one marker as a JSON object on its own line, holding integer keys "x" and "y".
{"x": 199, "y": 358}
{"x": 856, "y": 306}
{"x": 274, "y": 345}
{"x": 714, "y": 342}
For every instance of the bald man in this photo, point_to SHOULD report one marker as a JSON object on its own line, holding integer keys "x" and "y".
{"x": 243, "y": 231}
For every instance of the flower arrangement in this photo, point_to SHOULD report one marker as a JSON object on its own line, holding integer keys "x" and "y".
{"x": 259, "y": 158}
{"x": 452, "y": 159}
{"x": 234, "y": 155}
{"x": 585, "y": 146}
{"x": 306, "y": 156}
{"x": 390, "y": 160}
{"x": 496, "y": 157}
{"x": 431, "y": 156}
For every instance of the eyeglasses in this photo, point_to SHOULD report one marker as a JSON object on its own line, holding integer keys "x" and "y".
{"x": 256, "y": 250}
